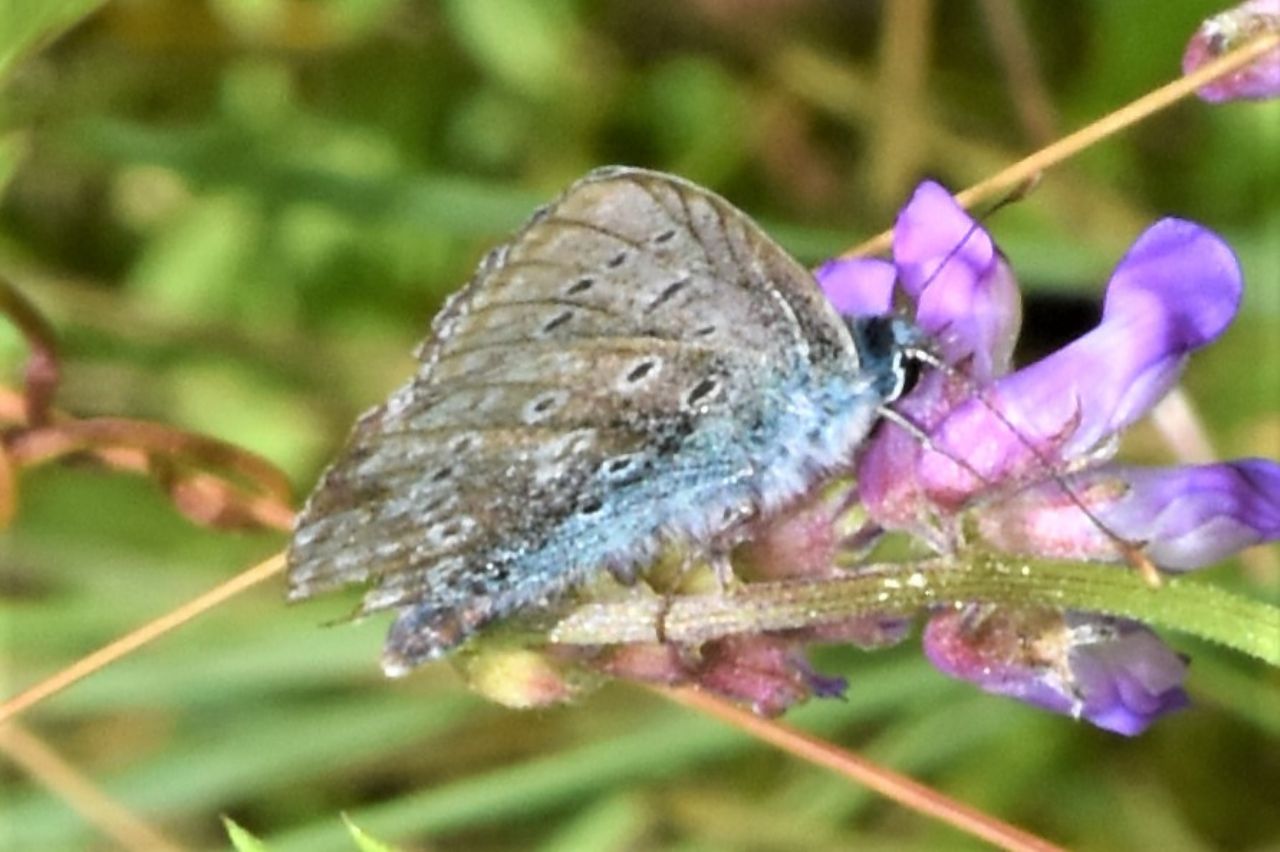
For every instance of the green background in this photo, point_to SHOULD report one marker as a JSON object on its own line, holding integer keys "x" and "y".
{"x": 240, "y": 216}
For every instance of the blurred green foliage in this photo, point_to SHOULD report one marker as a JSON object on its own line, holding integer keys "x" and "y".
{"x": 240, "y": 215}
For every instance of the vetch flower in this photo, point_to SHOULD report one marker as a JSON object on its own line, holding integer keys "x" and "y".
{"x": 859, "y": 287}
{"x": 1112, "y": 672}
{"x": 1175, "y": 291}
{"x": 967, "y": 299}
{"x": 1019, "y": 462}
{"x": 769, "y": 673}
{"x": 1223, "y": 33}
{"x": 964, "y": 291}
{"x": 1190, "y": 517}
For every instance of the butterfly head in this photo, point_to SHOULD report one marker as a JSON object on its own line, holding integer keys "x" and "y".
{"x": 893, "y": 350}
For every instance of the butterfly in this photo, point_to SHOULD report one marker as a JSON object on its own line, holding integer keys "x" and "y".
{"x": 639, "y": 365}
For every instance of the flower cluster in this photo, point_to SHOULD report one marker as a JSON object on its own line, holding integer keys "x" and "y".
{"x": 1022, "y": 458}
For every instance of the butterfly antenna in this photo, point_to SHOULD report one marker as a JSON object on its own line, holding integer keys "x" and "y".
{"x": 922, "y": 437}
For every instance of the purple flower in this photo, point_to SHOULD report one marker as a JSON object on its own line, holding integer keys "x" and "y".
{"x": 767, "y": 672}
{"x": 1223, "y": 33}
{"x": 1175, "y": 291}
{"x": 1190, "y": 517}
{"x": 1012, "y": 457}
{"x": 858, "y": 287}
{"x": 1111, "y": 672}
{"x": 964, "y": 291}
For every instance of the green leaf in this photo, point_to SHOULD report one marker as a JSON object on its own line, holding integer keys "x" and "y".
{"x": 241, "y": 839}
{"x": 364, "y": 842}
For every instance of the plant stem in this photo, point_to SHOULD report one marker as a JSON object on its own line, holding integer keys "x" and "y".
{"x": 900, "y": 590}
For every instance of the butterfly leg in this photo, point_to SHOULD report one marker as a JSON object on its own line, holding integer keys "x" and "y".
{"x": 722, "y": 569}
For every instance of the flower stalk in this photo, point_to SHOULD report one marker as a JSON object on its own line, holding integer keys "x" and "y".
{"x": 1195, "y": 608}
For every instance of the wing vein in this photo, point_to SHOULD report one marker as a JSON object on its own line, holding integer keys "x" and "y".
{"x": 592, "y": 226}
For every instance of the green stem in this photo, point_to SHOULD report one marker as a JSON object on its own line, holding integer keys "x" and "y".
{"x": 1249, "y": 626}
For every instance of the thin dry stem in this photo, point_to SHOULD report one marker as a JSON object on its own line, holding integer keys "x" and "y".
{"x": 42, "y": 373}
{"x": 890, "y": 784}
{"x": 145, "y": 634}
{"x": 49, "y": 769}
{"x": 904, "y": 62}
{"x": 898, "y": 788}
{"x": 44, "y": 444}
{"x": 1021, "y": 70}
{"x": 1029, "y": 168}
{"x": 8, "y": 489}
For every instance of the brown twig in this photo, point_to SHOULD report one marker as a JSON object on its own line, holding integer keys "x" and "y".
{"x": 47, "y": 443}
{"x": 162, "y": 452}
{"x": 8, "y": 489}
{"x": 892, "y": 785}
{"x": 143, "y": 635}
{"x": 1028, "y": 168}
{"x": 49, "y": 769}
{"x": 42, "y": 434}
{"x": 41, "y": 379}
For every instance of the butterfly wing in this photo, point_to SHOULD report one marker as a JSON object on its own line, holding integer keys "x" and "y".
{"x": 639, "y": 362}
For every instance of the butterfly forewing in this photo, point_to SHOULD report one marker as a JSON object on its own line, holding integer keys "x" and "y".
{"x": 639, "y": 362}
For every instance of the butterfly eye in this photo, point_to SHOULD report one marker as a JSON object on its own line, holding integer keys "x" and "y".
{"x": 910, "y": 369}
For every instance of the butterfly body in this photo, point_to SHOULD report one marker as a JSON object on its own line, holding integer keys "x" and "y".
{"x": 639, "y": 364}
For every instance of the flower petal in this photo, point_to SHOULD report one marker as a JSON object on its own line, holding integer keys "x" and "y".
{"x": 1176, "y": 290}
{"x": 768, "y": 673}
{"x": 858, "y": 287}
{"x": 1124, "y": 675}
{"x": 965, "y": 293}
{"x": 1223, "y": 33}
{"x": 1113, "y": 673}
{"x": 1186, "y": 517}
{"x": 1185, "y": 275}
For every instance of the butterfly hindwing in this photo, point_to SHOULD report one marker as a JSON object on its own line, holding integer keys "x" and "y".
{"x": 639, "y": 362}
